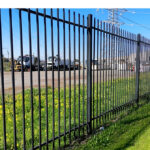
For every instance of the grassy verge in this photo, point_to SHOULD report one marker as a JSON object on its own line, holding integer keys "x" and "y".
{"x": 124, "y": 133}
{"x": 143, "y": 141}
{"x": 73, "y": 110}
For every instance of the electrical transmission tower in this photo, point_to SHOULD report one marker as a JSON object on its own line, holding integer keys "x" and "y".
{"x": 113, "y": 16}
{"x": 114, "y": 19}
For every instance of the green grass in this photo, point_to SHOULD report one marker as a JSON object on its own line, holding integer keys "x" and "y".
{"x": 109, "y": 95}
{"x": 144, "y": 82}
{"x": 131, "y": 132}
{"x": 143, "y": 141}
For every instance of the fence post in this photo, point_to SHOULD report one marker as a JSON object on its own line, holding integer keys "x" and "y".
{"x": 137, "y": 68}
{"x": 89, "y": 74}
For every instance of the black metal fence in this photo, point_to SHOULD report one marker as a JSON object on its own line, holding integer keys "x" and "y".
{"x": 69, "y": 75}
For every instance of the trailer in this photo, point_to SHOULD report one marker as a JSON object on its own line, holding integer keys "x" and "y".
{"x": 56, "y": 62}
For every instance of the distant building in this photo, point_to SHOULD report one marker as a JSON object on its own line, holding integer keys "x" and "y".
{"x": 123, "y": 62}
{"x": 95, "y": 65}
{"x": 144, "y": 60}
{"x": 144, "y": 57}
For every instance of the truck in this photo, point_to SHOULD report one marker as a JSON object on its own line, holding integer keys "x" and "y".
{"x": 26, "y": 63}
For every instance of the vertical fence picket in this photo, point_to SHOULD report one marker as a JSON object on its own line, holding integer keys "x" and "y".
{"x": 100, "y": 100}
{"x": 97, "y": 63}
{"x": 83, "y": 76}
{"x": 39, "y": 77}
{"x": 22, "y": 78}
{"x": 69, "y": 46}
{"x": 58, "y": 47}
{"x": 46, "y": 80}
{"x": 64, "y": 51}
{"x": 13, "y": 78}
{"x": 53, "y": 94}
{"x": 79, "y": 72}
{"x": 89, "y": 74}
{"x": 93, "y": 75}
{"x": 74, "y": 47}
{"x": 137, "y": 68}
{"x": 31, "y": 77}
{"x": 2, "y": 84}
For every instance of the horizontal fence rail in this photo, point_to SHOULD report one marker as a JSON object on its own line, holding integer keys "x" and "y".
{"x": 64, "y": 75}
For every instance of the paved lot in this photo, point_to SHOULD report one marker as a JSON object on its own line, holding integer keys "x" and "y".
{"x": 18, "y": 81}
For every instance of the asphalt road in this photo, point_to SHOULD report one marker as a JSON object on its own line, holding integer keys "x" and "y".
{"x": 18, "y": 80}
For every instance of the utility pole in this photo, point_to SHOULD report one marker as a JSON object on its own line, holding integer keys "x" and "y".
{"x": 8, "y": 54}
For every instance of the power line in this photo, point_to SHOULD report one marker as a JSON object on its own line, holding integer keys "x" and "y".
{"x": 136, "y": 23}
{"x": 141, "y": 13}
{"x": 141, "y": 25}
{"x": 114, "y": 14}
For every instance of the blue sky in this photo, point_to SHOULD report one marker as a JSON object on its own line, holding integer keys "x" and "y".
{"x": 141, "y": 16}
